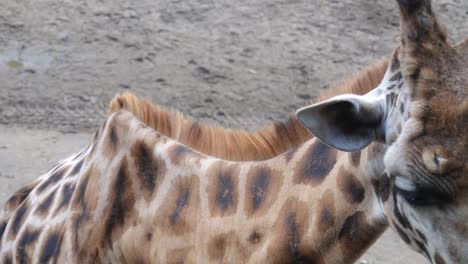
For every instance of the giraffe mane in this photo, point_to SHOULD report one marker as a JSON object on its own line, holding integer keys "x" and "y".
{"x": 238, "y": 144}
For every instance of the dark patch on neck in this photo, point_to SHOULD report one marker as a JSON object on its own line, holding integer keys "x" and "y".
{"x": 55, "y": 177}
{"x": 121, "y": 202}
{"x": 260, "y": 188}
{"x": 76, "y": 169}
{"x": 316, "y": 164}
{"x": 45, "y": 204}
{"x": 18, "y": 219}
{"x": 350, "y": 186}
{"x": 51, "y": 248}
{"x": 19, "y": 197}
{"x": 356, "y": 234}
{"x": 28, "y": 238}
{"x": 67, "y": 192}
{"x": 146, "y": 165}
{"x": 217, "y": 247}
{"x": 224, "y": 196}
{"x": 80, "y": 195}
{"x": 113, "y": 139}
{"x": 326, "y": 212}
{"x": 3, "y": 225}
{"x": 294, "y": 239}
{"x": 294, "y": 247}
{"x": 78, "y": 220}
{"x": 382, "y": 187}
{"x": 223, "y": 192}
{"x": 181, "y": 202}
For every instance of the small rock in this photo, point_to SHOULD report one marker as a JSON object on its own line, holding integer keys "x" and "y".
{"x": 125, "y": 86}
{"x": 14, "y": 64}
{"x": 304, "y": 96}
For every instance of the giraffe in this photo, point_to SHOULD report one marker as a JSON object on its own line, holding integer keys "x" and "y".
{"x": 425, "y": 158}
{"x": 114, "y": 155}
{"x": 132, "y": 184}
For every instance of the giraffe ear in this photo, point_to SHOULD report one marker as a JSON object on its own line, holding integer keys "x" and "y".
{"x": 346, "y": 122}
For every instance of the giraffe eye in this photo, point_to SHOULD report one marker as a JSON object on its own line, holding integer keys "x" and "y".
{"x": 420, "y": 194}
{"x": 434, "y": 162}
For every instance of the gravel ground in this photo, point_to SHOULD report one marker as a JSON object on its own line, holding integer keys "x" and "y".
{"x": 237, "y": 63}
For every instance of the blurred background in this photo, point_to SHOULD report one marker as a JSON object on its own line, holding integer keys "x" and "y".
{"x": 236, "y": 63}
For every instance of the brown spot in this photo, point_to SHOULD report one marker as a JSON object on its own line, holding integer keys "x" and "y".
{"x": 289, "y": 244}
{"x": 76, "y": 168}
{"x": 149, "y": 236}
{"x": 217, "y": 247}
{"x": 255, "y": 237}
{"x": 24, "y": 250}
{"x": 355, "y": 158}
{"x": 51, "y": 248}
{"x": 316, "y": 164}
{"x": 262, "y": 186}
{"x": 53, "y": 178}
{"x": 357, "y": 234}
{"x": 325, "y": 215}
{"x": 350, "y": 186}
{"x": 18, "y": 219}
{"x": 179, "y": 211}
{"x": 121, "y": 200}
{"x": 382, "y": 187}
{"x": 149, "y": 169}
{"x": 228, "y": 244}
{"x": 19, "y": 196}
{"x": 111, "y": 140}
{"x": 44, "y": 205}
{"x": 178, "y": 152}
{"x": 67, "y": 192}
{"x": 223, "y": 192}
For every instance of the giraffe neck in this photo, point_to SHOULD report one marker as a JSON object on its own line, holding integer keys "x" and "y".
{"x": 312, "y": 203}
{"x": 138, "y": 196}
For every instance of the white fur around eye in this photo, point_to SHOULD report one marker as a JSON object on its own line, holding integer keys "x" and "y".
{"x": 405, "y": 184}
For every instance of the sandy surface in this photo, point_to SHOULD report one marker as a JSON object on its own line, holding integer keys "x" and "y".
{"x": 238, "y": 63}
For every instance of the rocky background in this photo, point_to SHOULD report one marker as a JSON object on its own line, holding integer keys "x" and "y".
{"x": 237, "y": 63}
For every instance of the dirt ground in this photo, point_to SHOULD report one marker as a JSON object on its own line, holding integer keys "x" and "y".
{"x": 238, "y": 63}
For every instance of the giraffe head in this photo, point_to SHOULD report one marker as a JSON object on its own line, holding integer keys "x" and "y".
{"x": 419, "y": 133}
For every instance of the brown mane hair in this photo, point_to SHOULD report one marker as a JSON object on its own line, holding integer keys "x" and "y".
{"x": 229, "y": 144}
